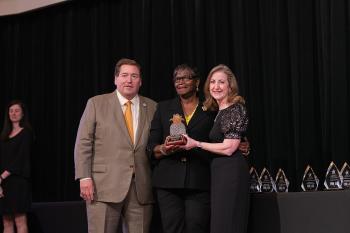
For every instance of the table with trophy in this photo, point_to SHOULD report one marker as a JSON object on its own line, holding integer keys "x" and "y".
{"x": 319, "y": 208}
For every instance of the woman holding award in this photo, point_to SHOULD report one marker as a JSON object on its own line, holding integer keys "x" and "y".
{"x": 181, "y": 178}
{"x": 229, "y": 168}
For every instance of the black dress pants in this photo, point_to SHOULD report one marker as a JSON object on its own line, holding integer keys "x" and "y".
{"x": 184, "y": 210}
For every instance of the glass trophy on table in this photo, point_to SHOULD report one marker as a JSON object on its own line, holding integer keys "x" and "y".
{"x": 255, "y": 182}
{"x": 282, "y": 182}
{"x": 333, "y": 179}
{"x": 345, "y": 173}
{"x": 267, "y": 183}
{"x": 310, "y": 181}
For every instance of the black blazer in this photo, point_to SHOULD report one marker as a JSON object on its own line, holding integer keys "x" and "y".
{"x": 183, "y": 169}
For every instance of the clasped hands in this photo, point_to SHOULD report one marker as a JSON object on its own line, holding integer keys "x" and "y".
{"x": 244, "y": 146}
{"x": 169, "y": 149}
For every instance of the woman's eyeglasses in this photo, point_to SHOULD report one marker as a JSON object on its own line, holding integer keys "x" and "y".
{"x": 182, "y": 79}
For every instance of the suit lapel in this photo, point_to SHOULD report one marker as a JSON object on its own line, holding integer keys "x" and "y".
{"x": 197, "y": 116}
{"x": 119, "y": 116}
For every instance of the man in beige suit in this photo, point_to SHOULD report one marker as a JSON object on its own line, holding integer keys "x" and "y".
{"x": 110, "y": 158}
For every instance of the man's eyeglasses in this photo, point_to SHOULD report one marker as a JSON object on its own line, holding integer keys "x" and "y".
{"x": 182, "y": 79}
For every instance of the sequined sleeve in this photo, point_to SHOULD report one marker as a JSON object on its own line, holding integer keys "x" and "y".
{"x": 234, "y": 121}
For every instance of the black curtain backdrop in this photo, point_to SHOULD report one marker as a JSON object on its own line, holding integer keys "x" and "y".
{"x": 291, "y": 59}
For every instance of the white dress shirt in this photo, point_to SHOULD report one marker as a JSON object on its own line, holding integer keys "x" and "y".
{"x": 135, "y": 109}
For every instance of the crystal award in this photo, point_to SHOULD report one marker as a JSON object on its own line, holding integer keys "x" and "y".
{"x": 333, "y": 179}
{"x": 310, "y": 180}
{"x": 177, "y": 129}
{"x": 267, "y": 183}
{"x": 345, "y": 173}
{"x": 282, "y": 182}
{"x": 255, "y": 182}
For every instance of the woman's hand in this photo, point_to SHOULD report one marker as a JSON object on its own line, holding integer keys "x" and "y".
{"x": 191, "y": 143}
{"x": 1, "y": 192}
{"x": 163, "y": 150}
{"x": 244, "y": 146}
{"x": 169, "y": 149}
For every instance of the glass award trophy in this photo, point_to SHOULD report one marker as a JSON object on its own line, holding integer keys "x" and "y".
{"x": 255, "y": 182}
{"x": 267, "y": 183}
{"x": 177, "y": 129}
{"x": 282, "y": 182}
{"x": 345, "y": 173}
{"x": 333, "y": 179}
{"x": 310, "y": 180}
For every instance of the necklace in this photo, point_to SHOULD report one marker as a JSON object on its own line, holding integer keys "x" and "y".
{"x": 190, "y": 115}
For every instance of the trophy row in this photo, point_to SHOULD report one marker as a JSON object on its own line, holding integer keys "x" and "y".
{"x": 334, "y": 180}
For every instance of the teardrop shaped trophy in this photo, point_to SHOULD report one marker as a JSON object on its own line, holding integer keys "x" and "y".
{"x": 333, "y": 179}
{"x": 255, "y": 182}
{"x": 267, "y": 183}
{"x": 345, "y": 172}
{"x": 282, "y": 182}
{"x": 310, "y": 180}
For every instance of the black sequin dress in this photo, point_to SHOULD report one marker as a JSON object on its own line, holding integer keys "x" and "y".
{"x": 15, "y": 158}
{"x": 230, "y": 175}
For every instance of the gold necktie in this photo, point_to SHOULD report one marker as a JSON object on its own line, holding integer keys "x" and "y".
{"x": 128, "y": 120}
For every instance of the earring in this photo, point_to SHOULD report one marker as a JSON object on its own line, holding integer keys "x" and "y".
{"x": 197, "y": 89}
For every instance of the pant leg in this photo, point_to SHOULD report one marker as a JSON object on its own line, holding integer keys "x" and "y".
{"x": 103, "y": 217}
{"x": 197, "y": 207}
{"x": 137, "y": 217}
{"x": 172, "y": 210}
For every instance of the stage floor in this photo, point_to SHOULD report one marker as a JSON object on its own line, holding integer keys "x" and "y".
{"x": 299, "y": 212}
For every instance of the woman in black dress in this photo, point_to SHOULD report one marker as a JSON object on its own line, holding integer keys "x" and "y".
{"x": 15, "y": 192}
{"x": 229, "y": 168}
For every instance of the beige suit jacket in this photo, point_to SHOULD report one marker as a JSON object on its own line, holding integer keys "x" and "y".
{"x": 104, "y": 151}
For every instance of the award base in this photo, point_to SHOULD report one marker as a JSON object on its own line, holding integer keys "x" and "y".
{"x": 177, "y": 140}
{"x": 333, "y": 189}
